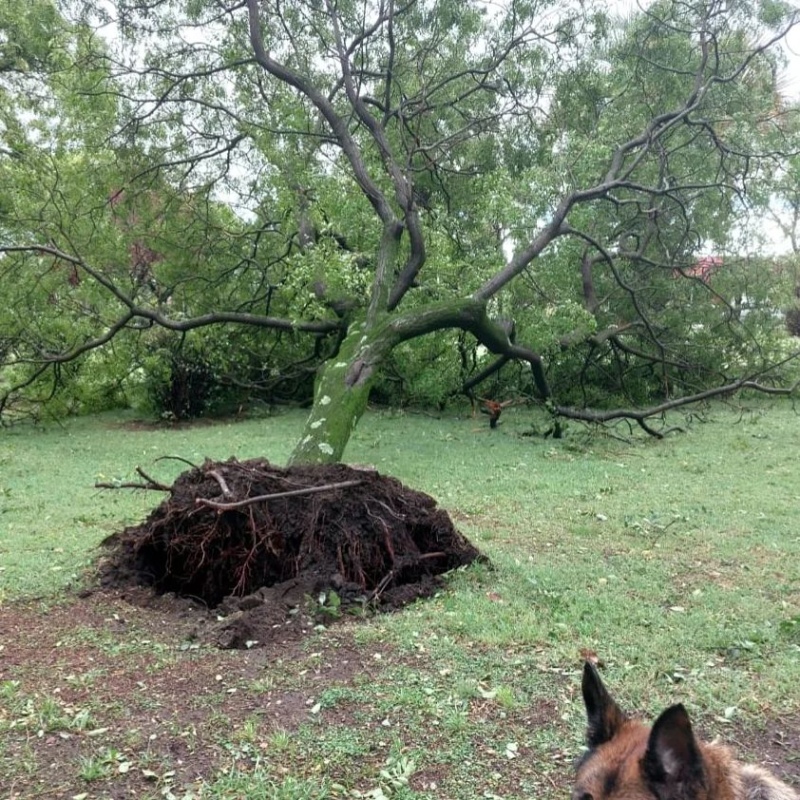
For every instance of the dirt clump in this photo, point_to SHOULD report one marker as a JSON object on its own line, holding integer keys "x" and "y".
{"x": 266, "y": 546}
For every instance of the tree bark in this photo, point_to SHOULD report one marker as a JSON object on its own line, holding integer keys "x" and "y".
{"x": 338, "y": 405}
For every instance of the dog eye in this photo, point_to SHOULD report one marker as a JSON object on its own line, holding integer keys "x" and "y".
{"x": 586, "y": 796}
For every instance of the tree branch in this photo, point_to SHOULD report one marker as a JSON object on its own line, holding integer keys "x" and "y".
{"x": 639, "y": 415}
{"x": 263, "y": 498}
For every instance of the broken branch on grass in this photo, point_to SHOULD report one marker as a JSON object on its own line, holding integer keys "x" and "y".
{"x": 127, "y": 485}
{"x": 263, "y": 498}
{"x": 639, "y": 415}
{"x": 150, "y": 483}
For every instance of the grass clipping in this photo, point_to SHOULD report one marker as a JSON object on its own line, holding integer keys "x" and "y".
{"x": 232, "y": 529}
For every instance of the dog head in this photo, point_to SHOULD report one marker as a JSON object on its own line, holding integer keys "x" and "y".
{"x": 627, "y": 760}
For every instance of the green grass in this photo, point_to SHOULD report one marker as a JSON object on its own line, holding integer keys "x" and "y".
{"x": 676, "y": 561}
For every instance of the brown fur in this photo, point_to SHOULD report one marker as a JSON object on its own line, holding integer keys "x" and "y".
{"x": 628, "y": 760}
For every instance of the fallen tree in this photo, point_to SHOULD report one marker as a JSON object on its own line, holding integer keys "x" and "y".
{"x": 543, "y": 184}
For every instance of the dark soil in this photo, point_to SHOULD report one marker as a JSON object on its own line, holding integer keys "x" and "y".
{"x": 266, "y": 547}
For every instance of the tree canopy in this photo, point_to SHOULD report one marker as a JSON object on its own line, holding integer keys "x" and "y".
{"x": 282, "y": 193}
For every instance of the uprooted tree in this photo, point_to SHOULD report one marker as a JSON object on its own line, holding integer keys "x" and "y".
{"x": 260, "y": 539}
{"x": 327, "y": 182}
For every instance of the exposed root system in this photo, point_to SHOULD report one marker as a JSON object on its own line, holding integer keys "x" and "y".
{"x": 245, "y": 534}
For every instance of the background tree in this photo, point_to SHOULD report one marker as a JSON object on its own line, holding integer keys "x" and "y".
{"x": 784, "y": 210}
{"x": 365, "y": 174}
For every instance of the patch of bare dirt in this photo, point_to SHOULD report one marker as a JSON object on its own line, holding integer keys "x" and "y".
{"x": 101, "y": 682}
{"x": 256, "y": 543}
{"x": 776, "y": 747}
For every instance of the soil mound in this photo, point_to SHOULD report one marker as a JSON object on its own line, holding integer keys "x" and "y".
{"x": 249, "y": 538}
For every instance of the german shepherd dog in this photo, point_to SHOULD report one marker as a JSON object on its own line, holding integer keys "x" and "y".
{"x": 627, "y": 760}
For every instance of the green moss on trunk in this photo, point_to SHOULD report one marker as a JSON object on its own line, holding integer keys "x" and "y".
{"x": 339, "y": 403}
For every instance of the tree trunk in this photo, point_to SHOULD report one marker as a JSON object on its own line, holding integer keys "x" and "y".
{"x": 342, "y": 390}
{"x": 338, "y": 405}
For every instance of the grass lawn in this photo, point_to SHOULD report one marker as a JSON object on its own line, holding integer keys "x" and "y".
{"x": 677, "y": 562}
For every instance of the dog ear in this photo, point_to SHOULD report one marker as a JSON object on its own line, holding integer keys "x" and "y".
{"x": 673, "y": 760}
{"x": 604, "y": 716}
